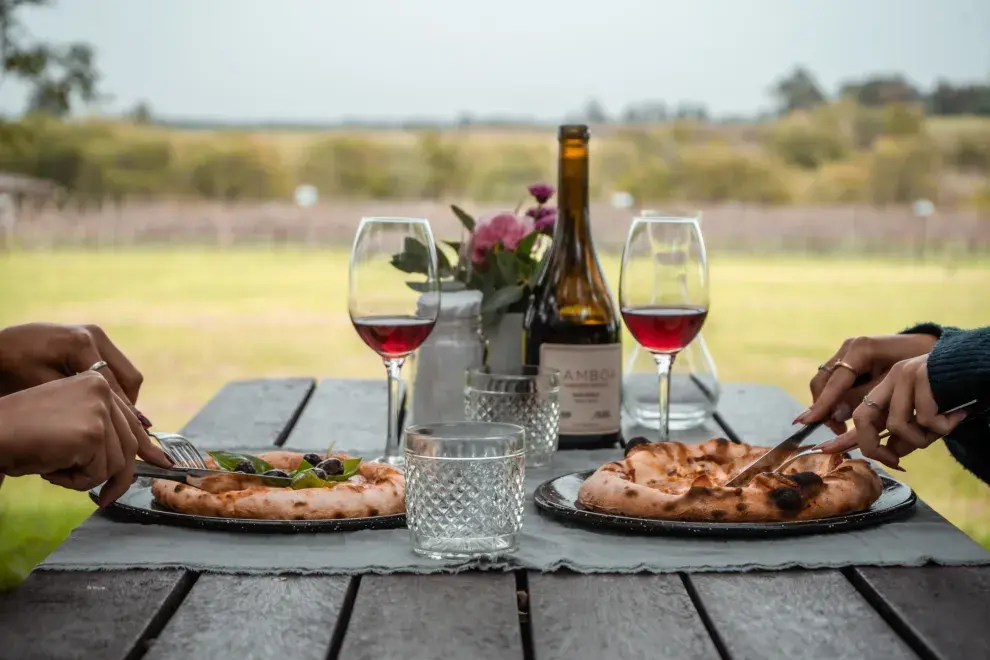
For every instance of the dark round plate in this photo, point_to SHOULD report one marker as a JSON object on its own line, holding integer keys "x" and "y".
{"x": 138, "y": 506}
{"x": 558, "y": 498}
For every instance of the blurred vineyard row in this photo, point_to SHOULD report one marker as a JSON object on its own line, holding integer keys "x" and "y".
{"x": 838, "y": 153}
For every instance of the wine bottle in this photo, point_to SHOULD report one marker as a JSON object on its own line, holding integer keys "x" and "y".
{"x": 572, "y": 323}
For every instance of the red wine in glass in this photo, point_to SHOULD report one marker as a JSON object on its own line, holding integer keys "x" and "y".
{"x": 664, "y": 329}
{"x": 393, "y": 336}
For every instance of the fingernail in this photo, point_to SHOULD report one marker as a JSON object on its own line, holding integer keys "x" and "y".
{"x": 823, "y": 445}
{"x": 958, "y": 416}
{"x": 897, "y": 467}
{"x": 800, "y": 418}
{"x": 145, "y": 422}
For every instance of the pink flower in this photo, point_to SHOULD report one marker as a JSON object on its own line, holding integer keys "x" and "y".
{"x": 541, "y": 191}
{"x": 500, "y": 227}
{"x": 545, "y": 220}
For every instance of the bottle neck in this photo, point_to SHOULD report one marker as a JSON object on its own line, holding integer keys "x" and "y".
{"x": 572, "y": 233}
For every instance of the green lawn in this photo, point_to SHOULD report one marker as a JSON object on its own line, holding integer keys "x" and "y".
{"x": 194, "y": 319}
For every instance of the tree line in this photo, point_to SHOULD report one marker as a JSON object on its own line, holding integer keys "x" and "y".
{"x": 878, "y": 141}
{"x": 838, "y": 153}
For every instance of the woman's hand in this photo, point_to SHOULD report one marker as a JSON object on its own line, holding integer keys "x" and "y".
{"x": 831, "y": 388}
{"x": 36, "y": 353}
{"x": 75, "y": 433}
{"x": 902, "y": 403}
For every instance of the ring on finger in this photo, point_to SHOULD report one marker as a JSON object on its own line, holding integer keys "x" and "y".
{"x": 827, "y": 369}
{"x": 846, "y": 365}
{"x": 872, "y": 404}
{"x": 98, "y": 365}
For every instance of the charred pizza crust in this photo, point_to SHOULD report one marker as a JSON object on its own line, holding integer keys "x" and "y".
{"x": 676, "y": 481}
{"x": 377, "y": 490}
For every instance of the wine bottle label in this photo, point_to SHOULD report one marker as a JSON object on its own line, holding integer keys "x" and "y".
{"x": 590, "y": 384}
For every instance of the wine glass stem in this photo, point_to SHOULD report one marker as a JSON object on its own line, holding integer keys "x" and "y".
{"x": 664, "y": 363}
{"x": 393, "y": 367}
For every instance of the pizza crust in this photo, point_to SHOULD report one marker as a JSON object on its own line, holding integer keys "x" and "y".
{"x": 677, "y": 481}
{"x": 377, "y": 490}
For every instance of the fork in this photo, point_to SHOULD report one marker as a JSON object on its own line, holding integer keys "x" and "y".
{"x": 806, "y": 452}
{"x": 884, "y": 435}
{"x": 178, "y": 448}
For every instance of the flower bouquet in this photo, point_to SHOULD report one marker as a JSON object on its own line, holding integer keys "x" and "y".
{"x": 500, "y": 256}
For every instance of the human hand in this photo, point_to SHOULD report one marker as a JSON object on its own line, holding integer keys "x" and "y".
{"x": 74, "y": 432}
{"x": 832, "y": 390}
{"x": 36, "y": 353}
{"x": 904, "y": 404}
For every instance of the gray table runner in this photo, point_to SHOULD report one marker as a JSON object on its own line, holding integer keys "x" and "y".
{"x": 546, "y": 545}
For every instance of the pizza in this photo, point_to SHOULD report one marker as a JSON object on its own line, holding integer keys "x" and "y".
{"x": 677, "y": 481}
{"x": 324, "y": 487}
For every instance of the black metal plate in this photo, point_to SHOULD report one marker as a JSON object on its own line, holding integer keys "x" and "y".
{"x": 138, "y": 505}
{"x": 558, "y": 498}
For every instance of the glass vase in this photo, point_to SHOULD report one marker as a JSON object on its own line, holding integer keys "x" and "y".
{"x": 694, "y": 387}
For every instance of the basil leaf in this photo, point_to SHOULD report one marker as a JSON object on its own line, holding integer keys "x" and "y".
{"x": 303, "y": 466}
{"x": 228, "y": 460}
{"x": 307, "y": 479}
{"x": 351, "y": 467}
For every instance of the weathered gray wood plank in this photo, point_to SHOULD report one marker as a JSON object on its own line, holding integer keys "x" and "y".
{"x": 762, "y": 414}
{"x": 467, "y": 615}
{"x": 943, "y": 607}
{"x": 105, "y": 614}
{"x": 614, "y": 616}
{"x": 249, "y": 413}
{"x": 795, "y": 614}
{"x": 351, "y": 413}
{"x": 86, "y": 616}
{"x": 254, "y": 618}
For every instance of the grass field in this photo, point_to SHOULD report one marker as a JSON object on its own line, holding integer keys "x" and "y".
{"x": 192, "y": 320}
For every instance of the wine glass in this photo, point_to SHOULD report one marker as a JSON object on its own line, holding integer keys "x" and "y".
{"x": 663, "y": 292}
{"x": 390, "y": 306}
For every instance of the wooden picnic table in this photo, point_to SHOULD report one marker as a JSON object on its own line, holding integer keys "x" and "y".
{"x": 856, "y": 612}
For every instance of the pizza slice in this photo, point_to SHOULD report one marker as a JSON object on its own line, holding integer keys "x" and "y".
{"x": 325, "y": 486}
{"x": 677, "y": 481}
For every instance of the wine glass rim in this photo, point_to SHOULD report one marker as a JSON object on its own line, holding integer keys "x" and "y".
{"x": 395, "y": 219}
{"x": 666, "y": 219}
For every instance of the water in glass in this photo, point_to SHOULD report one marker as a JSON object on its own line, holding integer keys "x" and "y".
{"x": 527, "y": 397}
{"x": 464, "y": 488}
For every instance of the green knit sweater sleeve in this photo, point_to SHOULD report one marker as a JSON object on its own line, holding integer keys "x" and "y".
{"x": 958, "y": 372}
{"x": 959, "y": 366}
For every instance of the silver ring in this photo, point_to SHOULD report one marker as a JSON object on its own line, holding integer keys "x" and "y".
{"x": 871, "y": 403}
{"x": 827, "y": 369}
{"x": 98, "y": 365}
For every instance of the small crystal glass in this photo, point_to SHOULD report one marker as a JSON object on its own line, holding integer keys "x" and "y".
{"x": 464, "y": 488}
{"x": 528, "y": 397}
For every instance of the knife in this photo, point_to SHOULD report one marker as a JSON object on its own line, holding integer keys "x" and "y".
{"x": 195, "y": 476}
{"x": 782, "y": 451}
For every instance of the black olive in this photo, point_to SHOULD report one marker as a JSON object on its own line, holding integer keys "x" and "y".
{"x": 275, "y": 473}
{"x": 320, "y": 473}
{"x": 313, "y": 459}
{"x": 247, "y": 467}
{"x": 332, "y": 466}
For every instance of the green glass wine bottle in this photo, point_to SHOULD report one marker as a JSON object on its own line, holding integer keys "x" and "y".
{"x": 572, "y": 323}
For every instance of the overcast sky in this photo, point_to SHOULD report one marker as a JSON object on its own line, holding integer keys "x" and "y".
{"x": 324, "y": 60}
